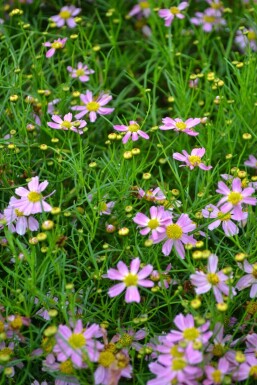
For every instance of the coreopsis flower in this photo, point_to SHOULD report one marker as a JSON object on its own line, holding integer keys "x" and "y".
{"x": 63, "y": 371}
{"x": 176, "y": 234}
{"x": 106, "y": 208}
{"x": 81, "y": 72}
{"x": 193, "y": 160}
{"x": 39, "y": 383}
{"x": 169, "y": 14}
{"x": 215, "y": 4}
{"x": 131, "y": 279}
{"x": 56, "y": 45}
{"x": 93, "y": 106}
{"x": 31, "y": 201}
{"x": 251, "y": 162}
{"x": 250, "y": 279}
{"x": 223, "y": 218}
{"x": 209, "y": 19}
{"x": 214, "y": 280}
{"x": 67, "y": 124}
{"x": 217, "y": 349}
{"x": 152, "y": 195}
{"x": 66, "y": 16}
{"x": 215, "y": 375}
{"x": 129, "y": 338}
{"x": 233, "y": 199}
{"x": 179, "y": 125}
{"x": 16, "y": 220}
{"x": 75, "y": 343}
{"x": 251, "y": 343}
{"x": 133, "y": 131}
{"x": 51, "y": 106}
{"x": 142, "y": 9}
{"x": 163, "y": 278}
{"x": 156, "y": 223}
{"x": 247, "y": 370}
{"x": 246, "y": 39}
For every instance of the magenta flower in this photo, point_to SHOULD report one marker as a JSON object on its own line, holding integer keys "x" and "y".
{"x": 93, "y": 106}
{"x": 77, "y": 343}
{"x": 66, "y": 16}
{"x": 209, "y": 19}
{"x": 169, "y": 14}
{"x": 193, "y": 160}
{"x": 57, "y": 44}
{"x": 215, "y": 375}
{"x": 176, "y": 235}
{"x": 142, "y": 9}
{"x": 31, "y": 201}
{"x": 133, "y": 131}
{"x": 251, "y": 162}
{"x": 131, "y": 279}
{"x": 66, "y": 123}
{"x": 180, "y": 126}
{"x": 250, "y": 279}
{"x": 212, "y": 280}
{"x": 156, "y": 224}
{"x": 233, "y": 199}
{"x": 81, "y": 72}
{"x": 17, "y": 222}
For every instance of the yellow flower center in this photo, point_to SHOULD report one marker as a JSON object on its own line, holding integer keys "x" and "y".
{"x": 18, "y": 213}
{"x": 144, "y": 4}
{"x": 106, "y": 359}
{"x": 57, "y": 45}
{"x": 181, "y": 126}
{"x": 153, "y": 224}
{"x": 174, "y": 10}
{"x": 254, "y": 272}
{"x": 16, "y": 323}
{"x": 174, "y": 351}
{"x": 213, "y": 278}
{"x": 126, "y": 340}
{"x": 216, "y": 5}
{"x": 66, "y": 367}
{"x": 253, "y": 371}
{"x": 1, "y": 327}
{"x": 34, "y": 196}
{"x": 131, "y": 280}
{"x": 218, "y": 350}
{"x": 251, "y": 35}
{"x": 178, "y": 364}
{"x": 194, "y": 160}
{"x": 77, "y": 341}
{"x": 80, "y": 72}
{"x": 66, "y": 124}
{"x": 174, "y": 231}
{"x": 93, "y": 106}
{"x": 209, "y": 19}
{"x": 216, "y": 376}
{"x": 65, "y": 15}
{"x": 234, "y": 197}
{"x": 224, "y": 217}
{"x": 103, "y": 206}
{"x": 191, "y": 334}
{"x": 133, "y": 127}
{"x": 5, "y": 354}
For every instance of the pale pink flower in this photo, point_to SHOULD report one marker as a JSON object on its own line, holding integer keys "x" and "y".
{"x": 129, "y": 338}
{"x": 156, "y": 223}
{"x": 106, "y": 208}
{"x": 51, "y": 106}
{"x": 193, "y": 160}
{"x": 16, "y": 221}
{"x": 251, "y": 343}
{"x": 250, "y": 279}
{"x": 247, "y": 370}
{"x": 209, "y": 19}
{"x": 163, "y": 278}
{"x": 251, "y": 162}
{"x": 142, "y": 9}
{"x": 176, "y": 234}
{"x": 169, "y": 14}
{"x": 215, "y": 375}
{"x": 133, "y": 131}
{"x": 131, "y": 279}
{"x": 180, "y": 126}
{"x": 57, "y": 44}
{"x": 216, "y": 4}
{"x": 219, "y": 341}
{"x": 39, "y": 383}
{"x": 66, "y": 16}
{"x": 67, "y": 124}
{"x": 81, "y": 72}
{"x": 112, "y": 367}
{"x": 246, "y": 39}
{"x": 212, "y": 280}
{"x": 152, "y": 195}
{"x": 93, "y": 106}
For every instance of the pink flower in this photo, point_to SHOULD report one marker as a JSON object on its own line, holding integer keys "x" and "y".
{"x": 193, "y": 160}
{"x": 215, "y": 375}
{"x": 22, "y": 223}
{"x": 209, "y": 19}
{"x": 176, "y": 235}
{"x": 212, "y": 280}
{"x": 66, "y": 123}
{"x": 250, "y": 279}
{"x": 57, "y": 44}
{"x": 31, "y": 201}
{"x": 93, "y": 106}
{"x": 159, "y": 218}
{"x": 133, "y": 131}
{"x": 246, "y": 370}
{"x": 246, "y": 39}
{"x": 152, "y": 195}
{"x": 169, "y": 14}
{"x": 142, "y": 9}
{"x": 131, "y": 279}
{"x": 81, "y": 72}
{"x": 106, "y": 208}
{"x": 251, "y": 162}
{"x": 233, "y": 199}
{"x": 128, "y": 339}
{"x": 180, "y": 126}
{"x": 66, "y": 16}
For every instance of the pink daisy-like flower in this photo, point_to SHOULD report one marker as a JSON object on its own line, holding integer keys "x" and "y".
{"x": 106, "y": 208}
{"x": 233, "y": 199}
{"x": 216, "y": 4}
{"x": 169, "y": 14}
{"x": 193, "y": 160}
{"x": 66, "y": 16}
{"x": 212, "y": 280}
{"x": 93, "y": 106}
{"x": 176, "y": 234}
{"x": 127, "y": 339}
{"x": 247, "y": 370}
{"x": 142, "y": 9}
{"x": 66, "y": 123}
{"x": 152, "y": 195}
{"x": 17, "y": 222}
{"x": 81, "y": 72}
{"x": 215, "y": 375}
{"x": 250, "y": 279}
{"x": 57, "y": 44}
{"x": 251, "y": 162}
{"x": 156, "y": 224}
{"x": 31, "y": 201}
{"x": 39, "y": 383}
{"x": 131, "y": 279}
{"x": 246, "y": 39}
{"x": 219, "y": 341}
{"x": 209, "y": 19}
{"x": 180, "y": 126}
{"x": 133, "y": 131}
{"x": 73, "y": 344}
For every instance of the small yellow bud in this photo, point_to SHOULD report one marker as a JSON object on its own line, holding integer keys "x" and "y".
{"x": 47, "y": 225}
{"x": 123, "y": 231}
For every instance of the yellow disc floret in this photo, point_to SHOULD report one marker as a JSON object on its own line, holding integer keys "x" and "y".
{"x": 66, "y": 367}
{"x": 65, "y": 15}
{"x": 191, "y": 334}
{"x": 34, "y": 196}
{"x": 174, "y": 10}
{"x": 213, "y": 278}
{"x": 235, "y": 197}
{"x": 93, "y": 106}
{"x": 178, "y": 364}
{"x": 131, "y": 280}
{"x": 57, "y": 45}
{"x": 153, "y": 224}
{"x": 194, "y": 160}
{"x": 77, "y": 340}
{"x": 174, "y": 231}
{"x": 133, "y": 127}
{"x": 66, "y": 124}
{"x": 106, "y": 359}
{"x": 181, "y": 126}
